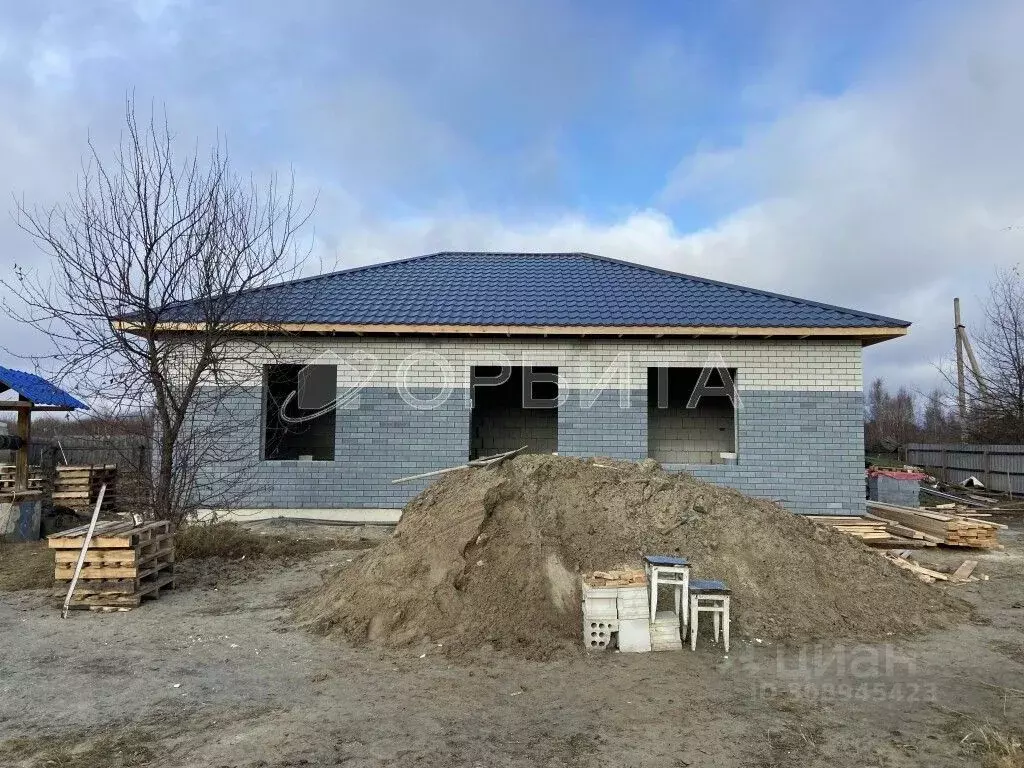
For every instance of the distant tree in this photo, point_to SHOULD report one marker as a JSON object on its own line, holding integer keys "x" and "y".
{"x": 890, "y": 419}
{"x": 937, "y": 423}
{"x": 149, "y": 228}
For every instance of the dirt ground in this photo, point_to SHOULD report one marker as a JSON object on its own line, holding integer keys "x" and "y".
{"x": 217, "y": 674}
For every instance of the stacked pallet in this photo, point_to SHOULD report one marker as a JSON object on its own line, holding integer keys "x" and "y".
{"x": 78, "y": 487}
{"x": 874, "y": 531}
{"x": 7, "y": 478}
{"x": 940, "y": 527}
{"x": 124, "y": 563}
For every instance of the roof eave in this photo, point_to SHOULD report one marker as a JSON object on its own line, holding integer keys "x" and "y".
{"x": 867, "y": 334}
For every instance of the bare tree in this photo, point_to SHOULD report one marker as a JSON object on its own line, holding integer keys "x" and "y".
{"x": 152, "y": 237}
{"x": 998, "y": 400}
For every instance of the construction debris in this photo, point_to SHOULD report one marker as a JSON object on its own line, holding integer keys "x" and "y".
{"x": 924, "y": 574}
{"x": 493, "y": 557}
{"x": 963, "y": 573}
{"x": 483, "y": 461}
{"x": 123, "y": 564}
{"x": 928, "y": 575}
{"x": 940, "y": 527}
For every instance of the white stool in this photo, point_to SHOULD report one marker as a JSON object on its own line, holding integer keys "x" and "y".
{"x": 709, "y": 597}
{"x": 671, "y": 571}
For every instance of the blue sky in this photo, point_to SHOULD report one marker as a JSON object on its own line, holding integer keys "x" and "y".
{"x": 863, "y": 153}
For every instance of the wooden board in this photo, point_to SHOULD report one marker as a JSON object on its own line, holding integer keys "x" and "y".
{"x": 118, "y": 585}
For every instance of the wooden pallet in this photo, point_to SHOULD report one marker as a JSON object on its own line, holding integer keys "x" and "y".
{"x": 124, "y": 563}
{"x": 76, "y": 486}
{"x": 149, "y": 590}
{"x": 112, "y": 534}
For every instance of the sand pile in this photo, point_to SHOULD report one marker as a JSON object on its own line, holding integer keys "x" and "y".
{"x": 494, "y": 556}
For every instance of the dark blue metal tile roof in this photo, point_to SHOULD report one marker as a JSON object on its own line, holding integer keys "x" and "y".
{"x": 37, "y": 390}
{"x": 556, "y": 289}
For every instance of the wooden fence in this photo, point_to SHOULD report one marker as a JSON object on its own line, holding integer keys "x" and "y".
{"x": 999, "y": 467}
{"x": 129, "y": 453}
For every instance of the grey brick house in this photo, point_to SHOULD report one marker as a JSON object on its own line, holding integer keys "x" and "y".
{"x": 410, "y": 366}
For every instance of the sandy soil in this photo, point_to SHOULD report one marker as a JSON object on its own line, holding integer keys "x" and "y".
{"x": 217, "y": 675}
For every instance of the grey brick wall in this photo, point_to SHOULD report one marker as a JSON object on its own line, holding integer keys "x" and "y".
{"x": 699, "y": 435}
{"x": 804, "y": 448}
{"x": 378, "y": 438}
{"x": 608, "y": 426}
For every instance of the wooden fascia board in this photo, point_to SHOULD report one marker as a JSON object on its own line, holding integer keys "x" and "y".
{"x": 869, "y": 334}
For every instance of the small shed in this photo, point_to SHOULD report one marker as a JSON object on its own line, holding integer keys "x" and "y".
{"x": 891, "y": 486}
{"x": 20, "y": 505}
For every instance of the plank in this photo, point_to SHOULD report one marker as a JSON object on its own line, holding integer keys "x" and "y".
{"x": 964, "y": 571}
{"x": 920, "y": 570}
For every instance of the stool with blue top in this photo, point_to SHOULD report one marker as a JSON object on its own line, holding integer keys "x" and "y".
{"x": 673, "y": 572}
{"x": 709, "y": 597}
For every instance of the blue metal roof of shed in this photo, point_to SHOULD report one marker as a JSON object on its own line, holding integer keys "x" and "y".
{"x": 529, "y": 289}
{"x": 37, "y": 390}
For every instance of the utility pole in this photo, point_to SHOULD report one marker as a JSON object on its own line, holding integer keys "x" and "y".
{"x": 961, "y": 383}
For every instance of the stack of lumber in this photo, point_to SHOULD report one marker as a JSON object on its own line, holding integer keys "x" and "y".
{"x": 872, "y": 530}
{"x": 941, "y": 527}
{"x": 124, "y": 563}
{"x": 78, "y": 487}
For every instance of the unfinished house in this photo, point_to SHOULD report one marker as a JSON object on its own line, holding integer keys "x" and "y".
{"x": 409, "y": 366}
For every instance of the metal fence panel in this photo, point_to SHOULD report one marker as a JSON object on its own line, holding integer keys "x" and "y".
{"x": 999, "y": 467}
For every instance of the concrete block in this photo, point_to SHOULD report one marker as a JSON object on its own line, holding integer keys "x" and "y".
{"x": 597, "y": 634}
{"x": 635, "y": 635}
{"x": 665, "y": 634}
{"x": 600, "y": 608}
{"x": 632, "y": 603}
